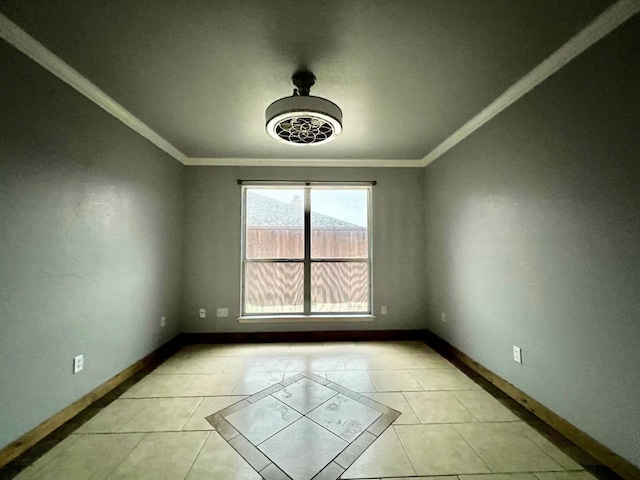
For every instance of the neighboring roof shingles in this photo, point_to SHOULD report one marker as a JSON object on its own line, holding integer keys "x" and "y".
{"x": 267, "y": 212}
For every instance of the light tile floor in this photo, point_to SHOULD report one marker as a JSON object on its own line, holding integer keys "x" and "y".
{"x": 305, "y": 427}
{"x": 453, "y": 424}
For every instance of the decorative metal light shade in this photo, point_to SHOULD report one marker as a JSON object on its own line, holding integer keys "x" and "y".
{"x": 303, "y": 119}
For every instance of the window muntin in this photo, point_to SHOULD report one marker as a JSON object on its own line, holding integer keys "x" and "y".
{"x": 306, "y": 250}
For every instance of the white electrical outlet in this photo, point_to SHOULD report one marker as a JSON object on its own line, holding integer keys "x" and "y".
{"x": 443, "y": 317}
{"x": 78, "y": 363}
{"x": 222, "y": 312}
{"x": 383, "y": 310}
{"x": 163, "y": 321}
{"x": 203, "y": 313}
{"x": 517, "y": 354}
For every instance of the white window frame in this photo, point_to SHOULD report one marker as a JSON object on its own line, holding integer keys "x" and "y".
{"x": 306, "y": 315}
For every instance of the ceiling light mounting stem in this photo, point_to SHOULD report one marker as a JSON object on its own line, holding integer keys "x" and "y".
{"x": 303, "y": 81}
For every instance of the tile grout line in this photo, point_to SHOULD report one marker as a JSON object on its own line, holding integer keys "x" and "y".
{"x": 395, "y": 432}
{"x": 191, "y": 415}
{"x": 453, "y": 394}
{"x": 41, "y": 467}
{"x": 474, "y": 450}
{"x": 411, "y": 407}
{"x": 303, "y": 375}
{"x": 235, "y": 384}
{"x": 254, "y": 446}
{"x": 275, "y": 433}
{"x": 332, "y": 433}
{"x": 544, "y": 451}
{"x": 198, "y": 454}
{"x": 371, "y": 380}
{"x": 143, "y": 436}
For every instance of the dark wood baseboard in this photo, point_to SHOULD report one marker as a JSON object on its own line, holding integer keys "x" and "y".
{"x": 605, "y": 455}
{"x": 29, "y": 439}
{"x": 312, "y": 336}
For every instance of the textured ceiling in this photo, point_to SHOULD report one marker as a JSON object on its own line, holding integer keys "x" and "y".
{"x": 406, "y": 74}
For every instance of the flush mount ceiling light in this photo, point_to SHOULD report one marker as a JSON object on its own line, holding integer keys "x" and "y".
{"x": 302, "y": 119}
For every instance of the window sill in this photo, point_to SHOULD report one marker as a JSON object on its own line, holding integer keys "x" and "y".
{"x": 306, "y": 318}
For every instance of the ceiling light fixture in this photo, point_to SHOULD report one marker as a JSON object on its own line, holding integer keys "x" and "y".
{"x": 302, "y": 119}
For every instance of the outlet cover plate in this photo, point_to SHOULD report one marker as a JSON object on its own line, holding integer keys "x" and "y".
{"x": 78, "y": 363}
{"x": 222, "y": 312}
{"x": 517, "y": 354}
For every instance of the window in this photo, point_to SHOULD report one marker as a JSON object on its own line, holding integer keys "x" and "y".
{"x": 306, "y": 250}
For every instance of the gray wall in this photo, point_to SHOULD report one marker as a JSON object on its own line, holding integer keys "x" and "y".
{"x": 533, "y": 239}
{"x": 212, "y": 239}
{"x": 90, "y": 245}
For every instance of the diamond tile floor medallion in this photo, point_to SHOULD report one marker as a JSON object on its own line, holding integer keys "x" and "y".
{"x": 303, "y": 428}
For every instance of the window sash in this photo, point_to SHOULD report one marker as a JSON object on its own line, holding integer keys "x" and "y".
{"x": 307, "y": 261}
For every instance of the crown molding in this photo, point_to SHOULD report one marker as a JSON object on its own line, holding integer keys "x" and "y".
{"x": 297, "y": 162}
{"x": 605, "y": 23}
{"x": 28, "y": 45}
